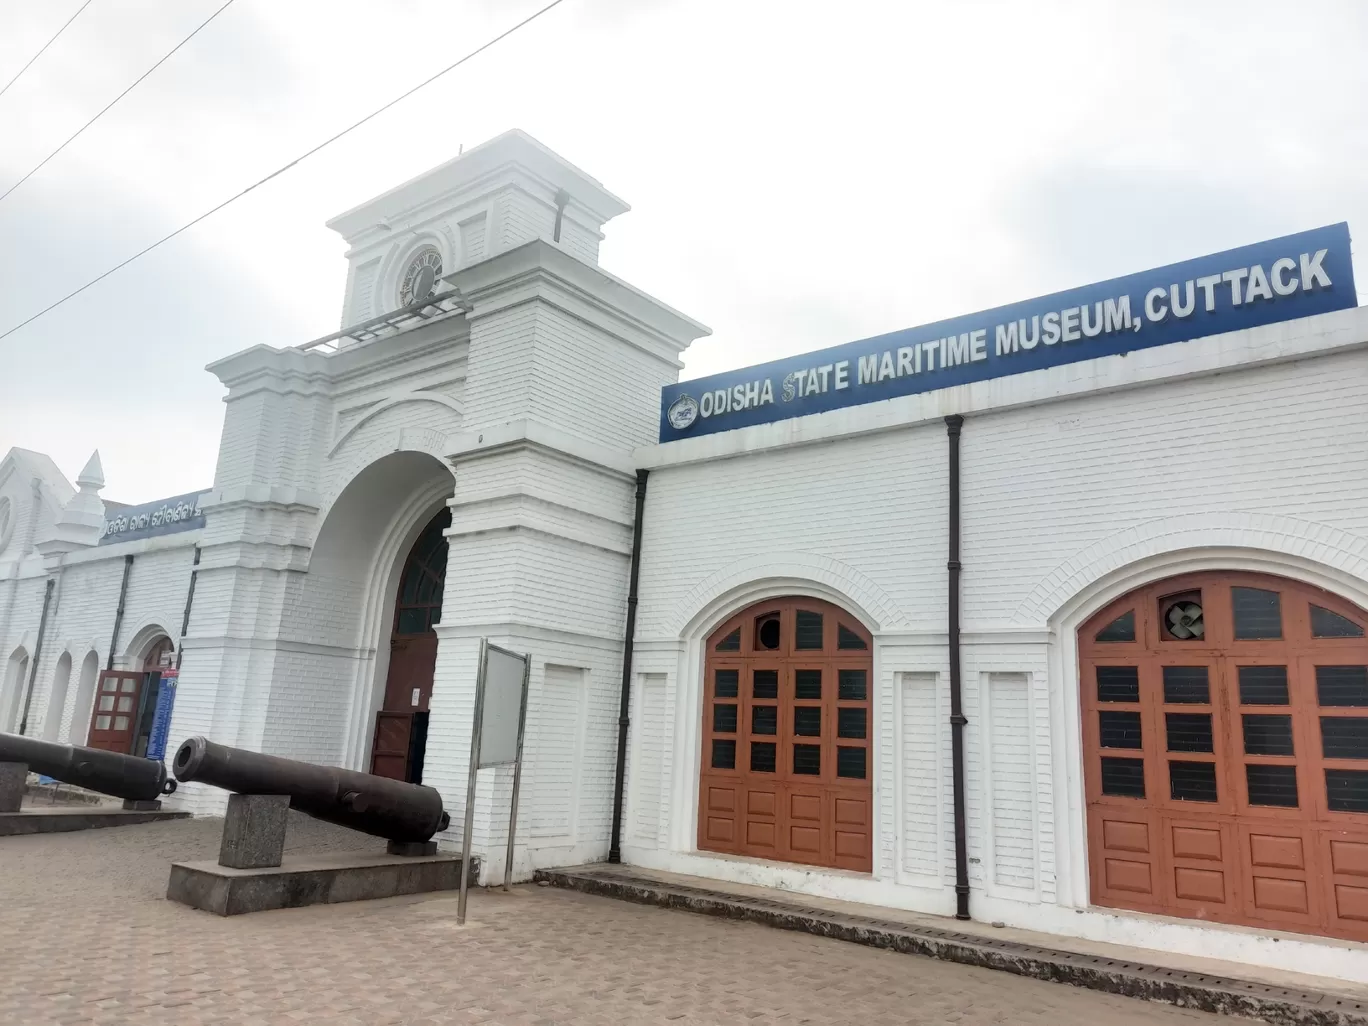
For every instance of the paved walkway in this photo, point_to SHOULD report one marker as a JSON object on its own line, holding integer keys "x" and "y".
{"x": 88, "y": 938}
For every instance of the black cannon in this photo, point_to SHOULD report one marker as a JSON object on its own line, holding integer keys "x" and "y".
{"x": 393, "y": 809}
{"x": 123, "y": 776}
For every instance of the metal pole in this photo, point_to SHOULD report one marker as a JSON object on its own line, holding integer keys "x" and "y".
{"x": 37, "y": 654}
{"x": 469, "y": 826}
{"x": 625, "y": 704}
{"x": 953, "y": 424}
{"x": 517, "y": 775}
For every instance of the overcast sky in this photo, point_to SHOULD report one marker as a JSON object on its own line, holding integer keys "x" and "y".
{"x": 801, "y": 174}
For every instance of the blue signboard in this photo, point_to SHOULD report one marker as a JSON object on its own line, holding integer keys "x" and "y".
{"x": 161, "y": 720}
{"x": 165, "y": 516}
{"x": 1295, "y": 276}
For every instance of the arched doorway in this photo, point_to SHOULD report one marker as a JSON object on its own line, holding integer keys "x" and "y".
{"x": 11, "y": 692}
{"x": 401, "y": 723}
{"x": 786, "y": 724}
{"x": 56, "y": 706}
{"x": 1225, "y": 739}
{"x": 126, "y": 702}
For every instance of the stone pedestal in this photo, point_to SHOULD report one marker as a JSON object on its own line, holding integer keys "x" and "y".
{"x": 132, "y": 805}
{"x": 13, "y": 779}
{"x": 411, "y": 849}
{"x": 312, "y": 880}
{"x": 254, "y": 831}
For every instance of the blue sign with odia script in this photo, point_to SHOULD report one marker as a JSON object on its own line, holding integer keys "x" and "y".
{"x": 165, "y": 516}
{"x": 1295, "y": 276}
{"x": 161, "y": 719}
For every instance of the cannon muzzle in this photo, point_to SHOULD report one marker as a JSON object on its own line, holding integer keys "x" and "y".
{"x": 123, "y": 776}
{"x": 373, "y": 805}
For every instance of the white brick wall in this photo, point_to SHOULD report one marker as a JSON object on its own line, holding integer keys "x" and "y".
{"x": 1067, "y": 500}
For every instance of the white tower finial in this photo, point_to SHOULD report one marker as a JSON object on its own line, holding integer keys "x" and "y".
{"x": 92, "y": 476}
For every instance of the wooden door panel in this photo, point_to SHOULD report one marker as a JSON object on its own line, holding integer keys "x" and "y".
{"x": 1231, "y": 818}
{"x": 113, "y": 721}
{"x": 786, "y": 702}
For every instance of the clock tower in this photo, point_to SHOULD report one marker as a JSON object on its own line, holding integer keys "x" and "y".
{"x": 489, "y": 199}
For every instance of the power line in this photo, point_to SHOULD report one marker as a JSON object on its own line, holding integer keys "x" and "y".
{"x": 281, "y": 170}
{"x": 116, "y": 99}
{"x": 45, "y": 46}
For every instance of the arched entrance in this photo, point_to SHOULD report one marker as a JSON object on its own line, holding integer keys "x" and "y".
{"x": 1225, "y": 740}
{"x": 786, "y": 724}
{"x": 126, "y": 701}
{"x": 401, "y": 722}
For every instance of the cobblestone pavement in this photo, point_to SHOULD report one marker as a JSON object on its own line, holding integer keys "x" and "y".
{"x": 88, "y": 938}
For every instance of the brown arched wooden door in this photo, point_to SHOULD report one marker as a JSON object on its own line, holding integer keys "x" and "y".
{"x": 1225, "y": 738}
{"x": 126, "y": 702}
{"x": 400, "y": 738}
{"x": 786, "y": 726}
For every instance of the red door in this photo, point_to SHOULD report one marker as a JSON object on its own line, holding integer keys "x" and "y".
{"x": 114, "y": 718}
{"x": 400, "y": 724}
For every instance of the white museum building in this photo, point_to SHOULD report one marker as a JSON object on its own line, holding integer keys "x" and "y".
{"x": 1052, "y": 614}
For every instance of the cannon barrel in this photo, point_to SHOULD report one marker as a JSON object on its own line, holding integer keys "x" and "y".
{"x": 123, "y": 776}
{"x": 373, "y": 805}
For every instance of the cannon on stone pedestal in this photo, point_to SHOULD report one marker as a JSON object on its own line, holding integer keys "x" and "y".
{"x": 402, "y": 813}
{"x": 252, "y": 873}
{"x": 135, "y": 780}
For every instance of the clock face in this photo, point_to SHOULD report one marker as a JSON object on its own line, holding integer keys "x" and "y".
{"x": 421, "y": 276}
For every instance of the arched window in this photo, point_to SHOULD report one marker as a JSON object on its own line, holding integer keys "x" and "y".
{"x": 1225, "y": 729}
{"x": 786, "y": 763}
{"x": 56, "y": 706}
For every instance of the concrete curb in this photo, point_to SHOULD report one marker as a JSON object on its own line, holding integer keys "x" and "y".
{"x": 1227, "y": 996}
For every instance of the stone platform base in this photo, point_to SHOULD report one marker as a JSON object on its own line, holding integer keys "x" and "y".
{"x": 42, "y": 820}
{"x": 311, "y": 880}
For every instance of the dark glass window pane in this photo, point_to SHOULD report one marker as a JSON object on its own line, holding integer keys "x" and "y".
{"x": 1346, "y": 790}
{"x": 1188, "y": 732}
{"x": 410, "y": 591}
{"x": 1268, "y": 735}
{"x": 764, "y": 719}
{"x": 1120, "y": 629}
{"x": 723, "y": 754}
{"x": 807, "y": 683}
{"x": 1344, "y": 737}
{"x": 1118, "y": 684}
{"x": 807, "y": 721}
{"x": 767, "y": 633}
{"x": 1263, "y": 685}
{"x": 847, "y": 639}
{"x": 1123, "y": 777}
{"x": 765, "y": 684}
{"x": 413, "y": 621}
{"x": 851, "y": 685}
{"x": 1258, "y": 614}
{"x": 1325, "y": 624}
{"x": 731, "y": 643}
{"x": 725, "y": 683}
{"x": 808, "y": 631}
{"x": 850, "y": 723}
{"x": 1186, "y": 685}
{"x": 1342, "y": 685}
{"x": 724, "y": 719}
{"x": 1192, "y": 781}
{"x": 850, "y": 762}
{"x": 1272, "y": 785}
{"x": 807, "y": 759}
{"x": 762, "y": 756}
{"x": 1119, "y": 729}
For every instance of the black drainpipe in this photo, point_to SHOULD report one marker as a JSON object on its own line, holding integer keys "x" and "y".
{"x": 619, "y": 776}
{"x": 37, "y": 653}
{"x": 953, "y": 424}
{"x": 189, "y": 601}
{"x": 562, "y": 198}
{"x": 118, "y": 613}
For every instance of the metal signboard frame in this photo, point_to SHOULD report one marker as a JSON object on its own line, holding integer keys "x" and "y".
{"x": 477, "y": 762}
